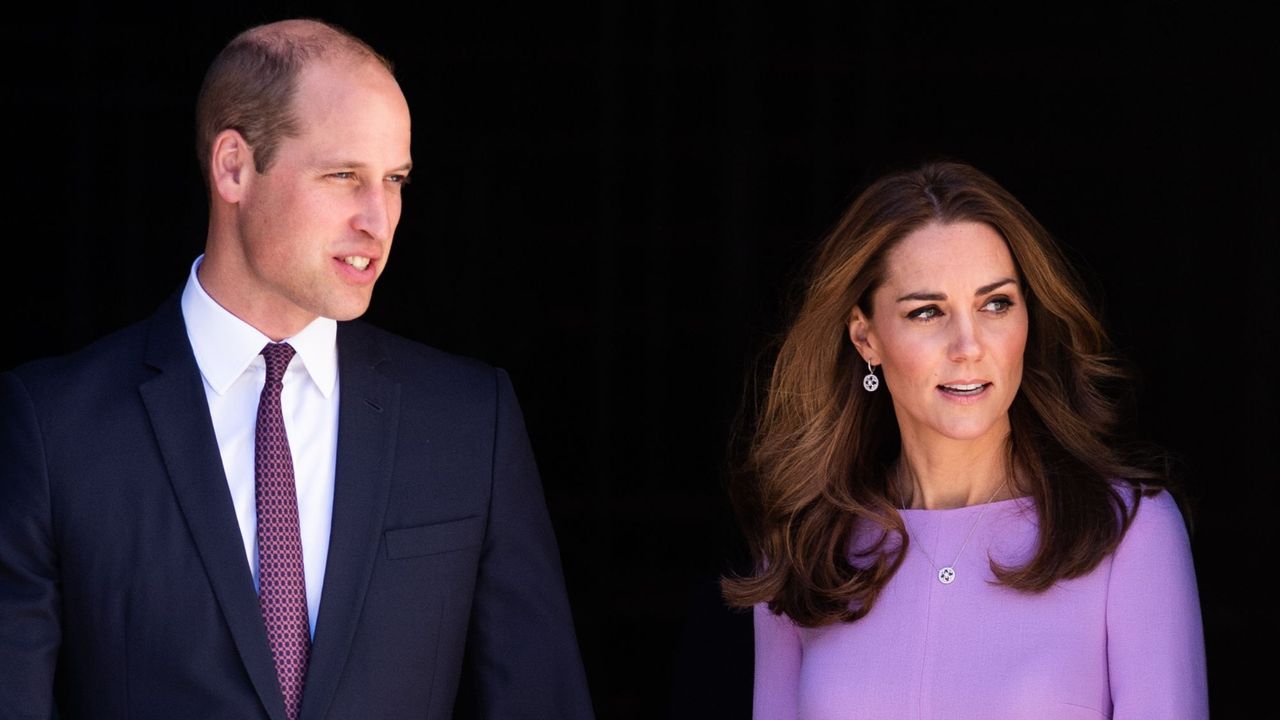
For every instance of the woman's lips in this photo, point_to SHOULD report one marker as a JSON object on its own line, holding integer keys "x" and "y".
{"x": 964, "y": 392}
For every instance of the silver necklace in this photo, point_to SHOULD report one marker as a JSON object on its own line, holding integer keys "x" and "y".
{"x": 947, "y": 574}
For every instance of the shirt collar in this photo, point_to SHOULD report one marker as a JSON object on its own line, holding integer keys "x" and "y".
{"x": 225, "y": 345}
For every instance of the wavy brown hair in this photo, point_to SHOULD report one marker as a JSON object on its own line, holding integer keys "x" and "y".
{"x": 818, "y": 462}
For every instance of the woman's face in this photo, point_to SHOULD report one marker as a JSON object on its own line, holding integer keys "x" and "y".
{"x": 949, "y": 326}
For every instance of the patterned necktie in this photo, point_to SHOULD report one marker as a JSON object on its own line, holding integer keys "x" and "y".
{"x": 282, "y": 588}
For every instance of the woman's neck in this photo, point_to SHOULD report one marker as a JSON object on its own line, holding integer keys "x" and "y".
{"x": 951, "y": 474}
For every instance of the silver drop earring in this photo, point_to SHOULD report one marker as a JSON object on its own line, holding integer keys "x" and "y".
{"x": 871, "y": 382}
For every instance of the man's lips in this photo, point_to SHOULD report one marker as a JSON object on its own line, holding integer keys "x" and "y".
{"x": 359, "y": 262}
{"x": 357, "y": 268}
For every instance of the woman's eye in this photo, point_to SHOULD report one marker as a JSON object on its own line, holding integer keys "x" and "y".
{"x": 926, "y": 313}
{"x": 998, "y": 305}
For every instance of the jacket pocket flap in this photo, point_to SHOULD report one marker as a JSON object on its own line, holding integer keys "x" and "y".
{"x": 435, "y": 538}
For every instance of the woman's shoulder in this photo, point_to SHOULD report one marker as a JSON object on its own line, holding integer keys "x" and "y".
{"x": 1155, "y": 640}
{"x": 1157, "y": 533}
{"x": 1152, "y": 507}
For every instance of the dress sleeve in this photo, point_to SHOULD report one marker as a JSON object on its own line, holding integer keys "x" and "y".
{"x": 777, "y": 674}
{"x": 1155, "y": 642}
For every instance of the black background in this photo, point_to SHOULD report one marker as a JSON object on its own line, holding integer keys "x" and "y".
{"x": 613, "y": 201}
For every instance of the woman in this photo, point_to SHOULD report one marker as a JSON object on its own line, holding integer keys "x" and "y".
{"x": 942, "y": 525}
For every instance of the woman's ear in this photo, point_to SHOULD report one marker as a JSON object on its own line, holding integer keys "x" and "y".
{"x": 862, "y": 336}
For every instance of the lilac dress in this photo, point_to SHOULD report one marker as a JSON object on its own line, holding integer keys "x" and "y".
{"x": 1124, "y": 641}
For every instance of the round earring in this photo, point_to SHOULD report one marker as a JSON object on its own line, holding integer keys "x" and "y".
{"x": 871, "y": 382}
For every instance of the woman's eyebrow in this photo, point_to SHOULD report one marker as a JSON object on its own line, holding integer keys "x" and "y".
{"x": 923, "y": 295}
{"x": 988, "y": 288}
{"x": 926, "y": 295}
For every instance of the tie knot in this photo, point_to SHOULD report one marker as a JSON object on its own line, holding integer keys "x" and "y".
{"x": 277, "y": 356}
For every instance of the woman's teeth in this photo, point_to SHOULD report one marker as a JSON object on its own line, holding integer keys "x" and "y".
{"x": 967, "y": 389}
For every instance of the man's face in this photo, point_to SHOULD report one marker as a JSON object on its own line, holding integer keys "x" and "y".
{"x": 315, "y": 229}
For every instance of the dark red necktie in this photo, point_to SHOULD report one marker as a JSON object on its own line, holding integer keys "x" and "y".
{"x": 282, "y": 587}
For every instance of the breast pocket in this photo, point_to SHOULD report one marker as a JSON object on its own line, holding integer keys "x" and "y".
{"x": 441, "y": 537}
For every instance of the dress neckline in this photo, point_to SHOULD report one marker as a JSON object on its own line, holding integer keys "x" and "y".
{"x": 963, "y": 510}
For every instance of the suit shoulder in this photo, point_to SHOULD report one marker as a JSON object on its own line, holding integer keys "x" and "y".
{"x": 409, "y": 359}
{"x": 109, "y": 356}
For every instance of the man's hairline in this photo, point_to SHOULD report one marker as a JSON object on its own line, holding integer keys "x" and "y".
{"x": 349, "y": 59}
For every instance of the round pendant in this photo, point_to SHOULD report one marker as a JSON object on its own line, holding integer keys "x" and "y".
{"x": 947, "y": 575}
{"x": 871, "y": 382}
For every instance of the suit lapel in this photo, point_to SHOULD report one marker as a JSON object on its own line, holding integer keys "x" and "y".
{"x": 176, "y": 404}
{"x": 368, "y": 411}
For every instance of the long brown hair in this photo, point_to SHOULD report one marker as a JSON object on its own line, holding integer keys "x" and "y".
{"x": 818, "y": 460}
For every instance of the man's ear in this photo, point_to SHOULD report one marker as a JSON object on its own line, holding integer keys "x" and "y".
{"x": 231, "y": 165}
{"x": 862, "y": 336}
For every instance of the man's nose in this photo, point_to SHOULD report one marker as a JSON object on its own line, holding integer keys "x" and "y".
{"x": 374, "y": 214}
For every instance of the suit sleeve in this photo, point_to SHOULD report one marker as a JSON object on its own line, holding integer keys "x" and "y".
{"x": 1155, "y": 642}
{"x": 777, "y": 672}
{"x": 522, "y": 648}
{"x": 30, "y": 631}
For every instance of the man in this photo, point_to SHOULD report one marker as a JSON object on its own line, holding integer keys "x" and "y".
{"x": 249, "y": 507}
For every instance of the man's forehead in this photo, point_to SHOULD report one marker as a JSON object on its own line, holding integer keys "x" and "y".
{"x": 351, "y": 117}
{"x": 327, "y": 89}
{"x": 333, "y": 78}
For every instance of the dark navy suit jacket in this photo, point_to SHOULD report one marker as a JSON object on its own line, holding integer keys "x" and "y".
{"x": 124, "y": 590}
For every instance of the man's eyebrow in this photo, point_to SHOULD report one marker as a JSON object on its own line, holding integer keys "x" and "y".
{"x": 406, "y": 167}
{"x": 926, "y": 295}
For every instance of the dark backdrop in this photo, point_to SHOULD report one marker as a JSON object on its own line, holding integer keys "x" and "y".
{"x": 613, "y": 200}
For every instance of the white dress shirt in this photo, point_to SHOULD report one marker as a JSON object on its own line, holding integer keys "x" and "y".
{"x": 228, "y": 353}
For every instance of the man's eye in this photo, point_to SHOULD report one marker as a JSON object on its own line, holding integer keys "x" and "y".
{"x": 344, "y": 175}
{"x": 398, "y": 179}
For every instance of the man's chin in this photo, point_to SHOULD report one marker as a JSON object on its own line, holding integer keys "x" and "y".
{"x": 345, "y": 316}
{"x": 347, "y": 311}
